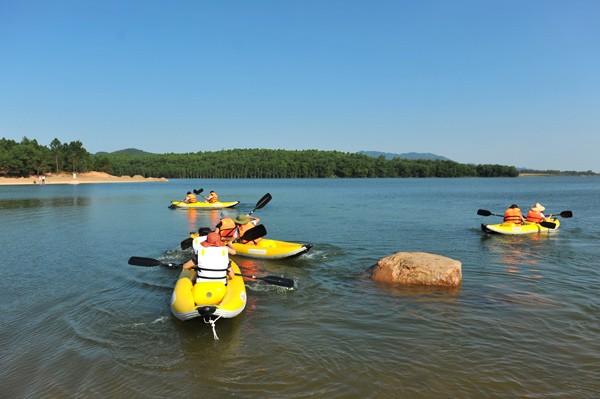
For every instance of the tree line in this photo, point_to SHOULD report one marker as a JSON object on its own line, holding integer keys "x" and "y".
{"x": 30, "y": 158}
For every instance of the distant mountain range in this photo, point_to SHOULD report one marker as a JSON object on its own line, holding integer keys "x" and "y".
{"x": 406, "y": 155}
{"x": 127, "y": 151}
{"x": 374, "y": 154}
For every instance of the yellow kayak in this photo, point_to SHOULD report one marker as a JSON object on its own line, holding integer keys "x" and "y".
{"x": 202, "y": 205}
{"x": 271, "y": 249}
{"x": 208, "y": 300}
{"x": 528, "y": 228}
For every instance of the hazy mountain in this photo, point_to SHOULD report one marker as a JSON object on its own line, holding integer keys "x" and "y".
{"x": 406, "y": 155}
{"x": 127, "y": 151}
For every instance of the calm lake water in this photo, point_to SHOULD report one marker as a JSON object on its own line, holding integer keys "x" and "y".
{"x": 79, "y": 322}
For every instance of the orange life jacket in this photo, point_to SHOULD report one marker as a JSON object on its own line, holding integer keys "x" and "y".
{"x": 242, "y": 228}
{"x": 213, "y": 197}
{"x": 191, "y": 198}
{"x": 533, "y": 216}
{"x": 513, "y": 215}
{"x": 227, "y": 228}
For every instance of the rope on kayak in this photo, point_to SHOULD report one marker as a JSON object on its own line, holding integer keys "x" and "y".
{"x": 212, "y": 324}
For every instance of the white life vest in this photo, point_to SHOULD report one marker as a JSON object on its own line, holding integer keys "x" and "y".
{"x": 196, "y": 243}
{"x": 213, "y": 263}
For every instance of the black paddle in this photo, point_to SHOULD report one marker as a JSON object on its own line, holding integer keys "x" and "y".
{"x": 198, "y": 192}
{"x": 261, "y": 203}
{"x": 483, "y": 212}
{"x": 150, "y": 262}
{"x": 252, "y": 234}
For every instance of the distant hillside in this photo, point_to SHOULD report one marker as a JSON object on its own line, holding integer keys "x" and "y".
{"x": 406, "y": 155}
{"x": 127, "y": 151}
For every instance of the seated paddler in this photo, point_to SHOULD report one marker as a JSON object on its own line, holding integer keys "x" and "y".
{"x": 211, "y": 259}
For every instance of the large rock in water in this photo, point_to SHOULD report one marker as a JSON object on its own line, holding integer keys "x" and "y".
{"x": 418, "y": 268}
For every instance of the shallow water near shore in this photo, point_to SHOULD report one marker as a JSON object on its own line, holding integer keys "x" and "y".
{"x": 78, "y": 321}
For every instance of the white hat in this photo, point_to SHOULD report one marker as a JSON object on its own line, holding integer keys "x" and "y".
{"x": 538, "y": 207}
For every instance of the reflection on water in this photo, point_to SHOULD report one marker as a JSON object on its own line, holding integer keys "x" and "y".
{"x": 519, "y": 254}
{"x": 52, "y": 202}
{"x": 87, "y": 324}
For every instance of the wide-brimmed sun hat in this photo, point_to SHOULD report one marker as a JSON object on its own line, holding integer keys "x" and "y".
{"x": 538, "y": 207}
{"x": 213, "y": 240}
{"x": 241, "y": 219}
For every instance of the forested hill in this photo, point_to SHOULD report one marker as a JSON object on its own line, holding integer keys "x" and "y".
{"x": 30, "y": 158}
{"x": 263, "y": 163}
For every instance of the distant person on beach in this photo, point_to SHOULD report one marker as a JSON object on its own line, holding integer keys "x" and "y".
{"x": 513, "y": 215}
{"x": 190, "y": 198}
{"x": 74, "y": 176}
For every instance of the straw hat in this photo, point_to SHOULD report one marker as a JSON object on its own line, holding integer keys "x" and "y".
{"x": 538, "y": 207}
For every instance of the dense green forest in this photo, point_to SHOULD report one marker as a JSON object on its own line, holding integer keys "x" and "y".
{"x": 30, "y": 158}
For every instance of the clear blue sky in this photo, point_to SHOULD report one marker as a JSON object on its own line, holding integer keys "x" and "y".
{"x": 507, "y": 82}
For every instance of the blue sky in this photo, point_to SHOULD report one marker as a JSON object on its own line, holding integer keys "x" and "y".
{"x": 507, "y": 82}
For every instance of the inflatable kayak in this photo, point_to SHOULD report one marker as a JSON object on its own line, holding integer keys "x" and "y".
{"x": 528, "y": 228}
{"x": 208, "y": 300}
{"x": 271, "y": 249}
{"x": 202, "y": 205}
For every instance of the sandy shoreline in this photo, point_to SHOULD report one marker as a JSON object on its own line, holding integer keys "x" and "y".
{"x": 82, "y": 178}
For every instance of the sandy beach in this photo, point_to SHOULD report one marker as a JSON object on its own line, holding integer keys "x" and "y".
{"x": 80, "y": 178}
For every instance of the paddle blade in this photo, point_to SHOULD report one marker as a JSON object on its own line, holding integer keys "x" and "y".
{"x": 254, "y": 233}
{"x": 172, "y": 206}
{"x": 140, "y": 261}
{"x": 187, "y": 243}
{"x": 548, "y": 225}
{"x": 262, "y": 202}
{"x": 566, "y": 214}
{"x": 280, "y": 281}
{"x": 483, "y": 212}
{"x": 197, "y": 192}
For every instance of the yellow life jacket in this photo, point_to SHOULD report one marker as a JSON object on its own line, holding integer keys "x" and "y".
{"x": 213, "y": 197}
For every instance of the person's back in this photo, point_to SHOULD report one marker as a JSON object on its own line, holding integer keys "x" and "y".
{"x": 536, "y": 213}
{"x": 513, "y": 215}
{"x": 212, "y": 197}
{"x": 190, "y": 198}
{"x": 213, "y": 263}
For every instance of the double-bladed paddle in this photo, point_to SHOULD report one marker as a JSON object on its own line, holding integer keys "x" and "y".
{"x": 547, "y": 224}
{"x": 151, "y": 262}
{"x": 483, "y": 212}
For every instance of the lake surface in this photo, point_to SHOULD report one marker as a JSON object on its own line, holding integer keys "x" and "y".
{"x": 79, "y": 322}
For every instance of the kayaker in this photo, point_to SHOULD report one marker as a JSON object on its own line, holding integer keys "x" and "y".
{"x": 513, "y": 215}
{"x": 190, "y": 198}
{"x": 227, "y": 229}
{"x": 536, "y": 214}
{"x": 245, "y": 223}
{"x": 212, "y": 198}
{"x": 210, "y": 262}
